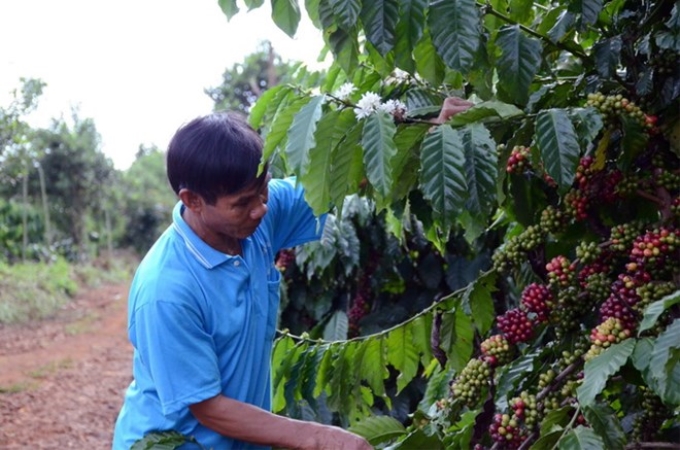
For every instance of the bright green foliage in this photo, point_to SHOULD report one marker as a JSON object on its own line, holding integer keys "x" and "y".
{"x": 566, "y": 170}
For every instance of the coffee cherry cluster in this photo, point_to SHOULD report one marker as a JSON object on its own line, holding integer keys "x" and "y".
{"x": 497, "y": 351}
{"x": 514, "y": 253}
{"x": 613, "y": 107}
{"x": 611, "y": 331}
{"x": 553, "y": 220}
{"x": 536, "y": 299}
{"x": 519, "y": 160}
{"x": 651, "y": 292}
{"x": 516, "y": 326}
{"x": 576, "y": 204}
{"x": 507, "y": 432}
{"x": 622, "y": 236}
{"x": 561, "y": 271}
{"x": 588, "y": 252}
{"x": 648, "y": 423}
{"x": 471, "y": 382}
{"x": 360, "y": 307}
{"x": 285, "y": 259}
{"x": 656, "y": 250}
{"x": 525, "y": 408}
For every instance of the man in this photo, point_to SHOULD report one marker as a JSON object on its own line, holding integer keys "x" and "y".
{"x": 204, "y": 301}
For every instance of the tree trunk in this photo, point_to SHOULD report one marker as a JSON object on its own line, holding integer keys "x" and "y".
{"x": 46, "y": 211}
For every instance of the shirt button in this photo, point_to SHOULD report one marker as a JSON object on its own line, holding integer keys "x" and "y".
{"x": 237, "y": 263}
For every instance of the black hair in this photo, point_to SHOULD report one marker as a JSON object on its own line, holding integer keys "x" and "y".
{"x": 214, "y": 155}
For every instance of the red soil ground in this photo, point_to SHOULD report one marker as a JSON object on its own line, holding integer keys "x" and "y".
{"x": 62, "y": 380}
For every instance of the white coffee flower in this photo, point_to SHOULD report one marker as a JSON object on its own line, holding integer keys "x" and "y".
{"x": 367, "y": 105}
{"x": 400, "y": 75}
{"x": 344, "y": 91}
{"x": 395, "y": 107}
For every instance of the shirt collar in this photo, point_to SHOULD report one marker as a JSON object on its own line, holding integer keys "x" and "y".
{"x": 204, "y": 254}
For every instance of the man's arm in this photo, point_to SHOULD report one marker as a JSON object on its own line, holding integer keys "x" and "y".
{"x": 248, "y": 423}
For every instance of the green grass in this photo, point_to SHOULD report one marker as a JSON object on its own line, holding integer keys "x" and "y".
{"x": 30, "y": 291}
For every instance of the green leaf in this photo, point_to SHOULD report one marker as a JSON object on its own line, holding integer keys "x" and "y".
{"x": 587, "y": 124}
{"x": 607, "y": 54}
{"x": 479, "y": 298}
{"x": 519, "y": 61}
{"x": 421, "y": 330}
{"x": 521, "y": 10}
{"x": 481, "y": 162}
{"x": 282, "y": 374}
{"x": 280, "y": 126}
{"x": 558, "y": 145}
{"x": 286, "y": 15}
{"x": 378, "y": 429}
{"x": 166, "y": 440}
{"x": 485, "y": 110}
{"x": 547, "y": 441}
{"x": 346, "y": 11}
{"x": 379, "y": 149}
{"x": 429, "y": 64}
{"x": 438, "y": 387}
{"x": 405, "y": 164}
{"x": 556, "y": 420}
{"x": 634, "y": 141}
{"x": 654, "y": 311}
{"x": 442, "y": 177}
{"x": 301, "y": 134}
{"x": 347, "y": 164}
{"x": 642, "y": 354}
{"x": 513, "y": 375}
{"x": 581, "y": 438}
{"x": 316, "y": 178}
{"x": 253, "y": 4}
{"x": 665, "y": 364}
{"x": 409, "y": 30}
{"x": 345, "y": 49}
{"x": 336, "y": 329}
{"x": 604, "y": 422}
{"x": 598, "y": 370}
{"x": 228, "y": 7}
{"x": 372, "y": 365}
{"x": 454, "y": 25}
{"x": 257, "y": 111}
{"x": 588, "y": 9}
{"x": 380, "y": 20}
{"x": 343, "y": 380}
{"x": 457, "y": 335}
{"x": 402, "y": 355}
{"x": 323, "y": 375}
{"x": 419, "y": 440}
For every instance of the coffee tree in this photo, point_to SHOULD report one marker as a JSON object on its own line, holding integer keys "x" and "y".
{"x": 566, "y": 169}
{"x": 570, "y": 154}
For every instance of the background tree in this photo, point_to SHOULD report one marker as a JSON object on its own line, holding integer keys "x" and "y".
{"x": 244, "y": 82}
{"x": 147, "y": 200}
{"x": 77, "y": 174}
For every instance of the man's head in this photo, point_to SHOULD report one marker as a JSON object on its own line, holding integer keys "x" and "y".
{"x": 214, "y": 155}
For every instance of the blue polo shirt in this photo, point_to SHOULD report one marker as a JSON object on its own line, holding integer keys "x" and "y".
{"x": 202, "y": 322}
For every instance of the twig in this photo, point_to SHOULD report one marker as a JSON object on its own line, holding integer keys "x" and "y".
{"x": 557, "y": 381}
{"x": 652, "y": 445}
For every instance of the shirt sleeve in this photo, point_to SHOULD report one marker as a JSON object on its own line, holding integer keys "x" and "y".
{"x": 177, "y": 353}
{"x": 292, "y": 220}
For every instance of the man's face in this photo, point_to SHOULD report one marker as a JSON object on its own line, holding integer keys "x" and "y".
{"x": 236, "y": 215}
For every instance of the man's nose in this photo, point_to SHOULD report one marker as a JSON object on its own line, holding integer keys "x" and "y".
{"x": 258, "y": 212}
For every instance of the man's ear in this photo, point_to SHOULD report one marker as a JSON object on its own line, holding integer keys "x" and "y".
{"x": 191, "y": 200}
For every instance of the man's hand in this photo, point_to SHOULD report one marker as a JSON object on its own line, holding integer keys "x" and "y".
{"x": 451, "y": 107}
{"x": 325, "y": 437}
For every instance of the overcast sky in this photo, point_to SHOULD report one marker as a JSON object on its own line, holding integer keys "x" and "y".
{"x": 137, "y": 67}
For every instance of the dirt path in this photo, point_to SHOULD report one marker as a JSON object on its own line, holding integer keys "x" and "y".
{"x": 62, "y": 380}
